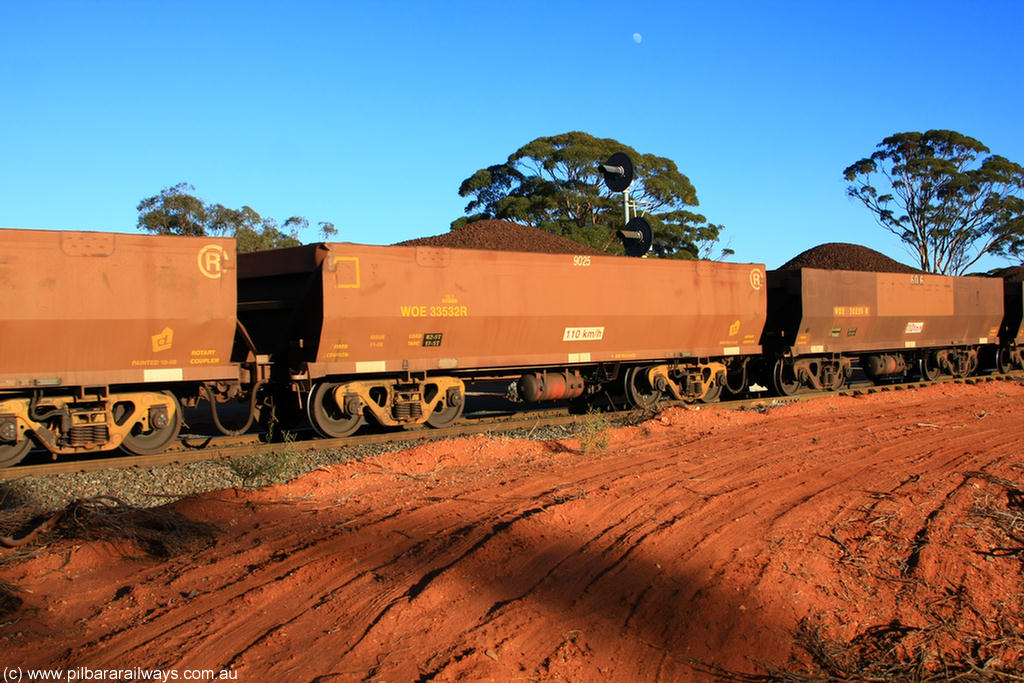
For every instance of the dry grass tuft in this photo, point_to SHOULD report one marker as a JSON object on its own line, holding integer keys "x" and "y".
{"x": 945, "y": 647}
{"x": 157, "y": 532}
{"x": 9, "y": 601}
{"x": 892, "y": 653}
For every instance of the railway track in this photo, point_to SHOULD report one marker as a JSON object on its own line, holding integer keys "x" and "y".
{"x": 195, "y": 448}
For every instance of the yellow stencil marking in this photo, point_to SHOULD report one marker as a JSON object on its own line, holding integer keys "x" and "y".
{"x": 346, "y": 271}
{"x": 163, "y": 340}
{"x": 211, "y": 260}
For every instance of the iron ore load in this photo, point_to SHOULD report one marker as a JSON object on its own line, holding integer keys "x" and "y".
{"x": 105, "y": 337}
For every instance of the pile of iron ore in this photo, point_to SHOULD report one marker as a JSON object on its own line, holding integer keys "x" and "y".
{"x": 842, "y": 256}
{"x": 1011, "y": 274}
{"x": 502, "y": 236}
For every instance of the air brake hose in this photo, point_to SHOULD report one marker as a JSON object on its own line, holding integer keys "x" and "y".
{"x": 252, "y": 410}
{"x": 743, "y": 382}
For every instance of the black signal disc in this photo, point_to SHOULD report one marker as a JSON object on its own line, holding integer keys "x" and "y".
{"x": 618, "y": 182}
{"x": 637, "y": 246}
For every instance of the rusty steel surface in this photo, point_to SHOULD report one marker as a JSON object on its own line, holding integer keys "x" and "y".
{"x": 88, "y": 308}
{"x": 839, "y": 311}
{"x": 395, "y": 309}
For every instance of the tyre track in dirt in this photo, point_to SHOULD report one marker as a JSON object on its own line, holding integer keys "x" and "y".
{"x": 697, "y": 535}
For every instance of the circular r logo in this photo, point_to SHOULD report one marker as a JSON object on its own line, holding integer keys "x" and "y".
{"x": 756, "y": 278}
{"x": 211, "y": 260}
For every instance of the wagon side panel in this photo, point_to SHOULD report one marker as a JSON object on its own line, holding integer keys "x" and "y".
{"x": 87, "y": 308}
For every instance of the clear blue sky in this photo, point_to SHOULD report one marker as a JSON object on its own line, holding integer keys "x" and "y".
{"x": 371, "y": 114}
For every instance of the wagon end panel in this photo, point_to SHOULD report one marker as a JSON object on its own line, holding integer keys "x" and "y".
{"x": 280, "y": 301}
{"x": 1012, "y": 329}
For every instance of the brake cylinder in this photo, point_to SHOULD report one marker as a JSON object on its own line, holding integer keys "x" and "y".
{"x": 883, "y": 365}
{"x": 550, "y": 386}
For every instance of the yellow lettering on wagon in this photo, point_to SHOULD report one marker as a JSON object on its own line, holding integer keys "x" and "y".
{"x": 414, "y": 311}
{"x": 204, "y": 357}
{"x": 851, "y": 311}
{"x": 418, "y": 311}
{"x": 337, "y": 351}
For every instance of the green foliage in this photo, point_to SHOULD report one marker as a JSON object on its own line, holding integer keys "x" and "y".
{"x": 592, "y": 430}
{"x": 948, "y": 202}
{"x": 553, "y": 184}
{"x": 270, "y": 468}
{"x": 327, "y": 230}
{"x": 175, "y": 211}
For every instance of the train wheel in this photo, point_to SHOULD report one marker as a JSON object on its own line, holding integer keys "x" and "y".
{"x": 445, "y": 414}
{"x": 639, "y": 391}
{"x": 930, "y": 369}
{"x": 12, "y": 454}
{"x": 784, "y": 381}
{"x": 154, "y": 441}
{"x": 712, "y": 394}
{"x": 327, "y": 417}
{"x": 839, "y": 380}
{"x": 1004, "y": 363}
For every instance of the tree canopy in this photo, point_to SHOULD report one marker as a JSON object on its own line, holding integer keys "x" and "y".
{"x": 175, "y": 211}
{"x": 939, "y": 193}
{"x": 553, "y": 184}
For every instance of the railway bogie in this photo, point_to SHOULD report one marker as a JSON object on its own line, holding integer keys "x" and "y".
{"x": 339, "y": 408}
{"x": 140, "y": 422}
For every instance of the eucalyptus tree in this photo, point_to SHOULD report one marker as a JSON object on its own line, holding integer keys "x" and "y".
{"x": 553, "y": 183}
{"x": 945, "y": 196}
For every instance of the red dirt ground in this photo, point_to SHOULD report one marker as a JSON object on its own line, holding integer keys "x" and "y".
{"x": 700, "y": 536}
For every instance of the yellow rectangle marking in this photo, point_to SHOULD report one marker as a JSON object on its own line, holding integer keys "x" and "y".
{"x": 346, "y": 272}
{"x": 162, "y": 375}
{"x": 370, "y": 366}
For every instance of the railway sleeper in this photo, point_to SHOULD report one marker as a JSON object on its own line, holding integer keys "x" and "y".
{"x": 141, "y": 423}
